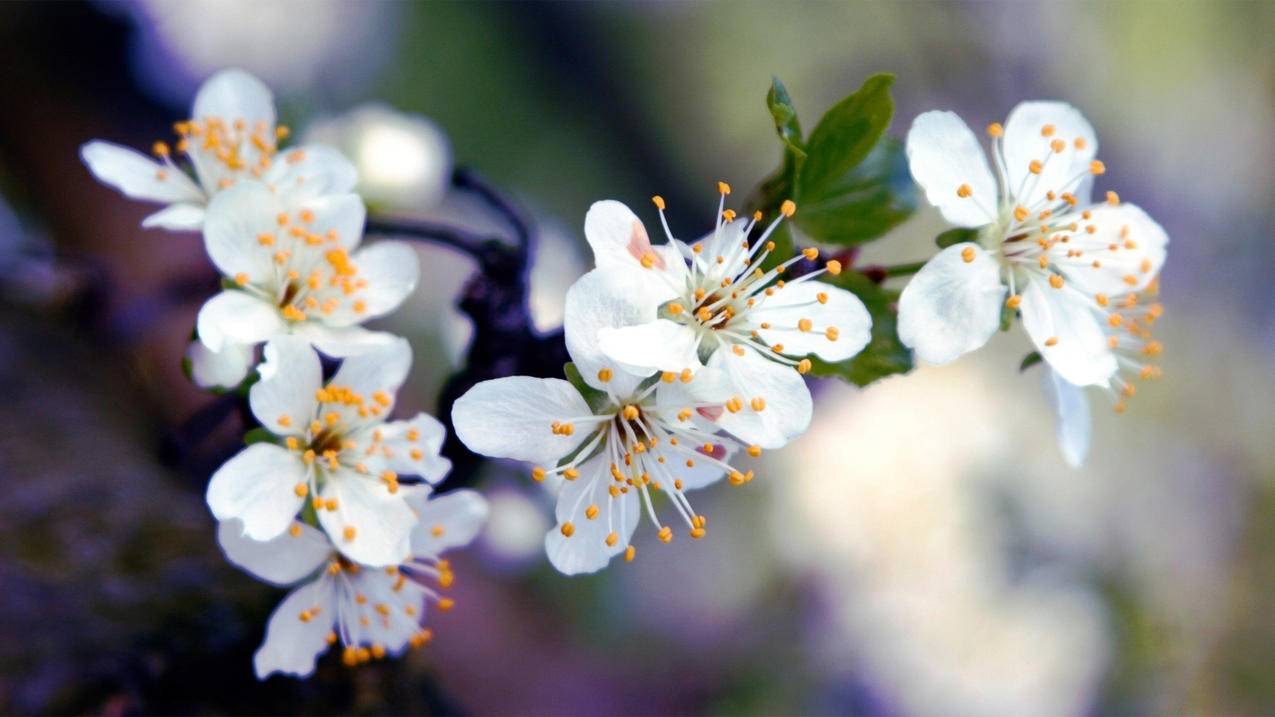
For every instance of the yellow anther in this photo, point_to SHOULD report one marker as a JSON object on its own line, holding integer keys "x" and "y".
{"x": 834, "y": 267}
{"x": 788, "y": 208}
{"x": 446, "y": 604}
{"x": 241, "y": 278}
{"x": 349, "y": 533}
{"x": 968, "y": 254}
{"x": 1058, "y": 146}
{"x": 723, "y": 188}
{"x": 803, "y": 367}
{"x": 301, "y": 490}
{"x": 568, "y": 530}
{"x": 1014, "y": 301}
{"x": 832, "y": 332}
{"x": 659, "y": 202}
{"x": 1051, "y": 341}
{"x": 675, "y": 308}
{"x": 804, "y": 324}
{"x": 665, "y": 534}
{"x": 686, "y": 376}
{"x": 758, "y": 404}
{"x": 647, "y": 261}
{"x": 630, "y": 553}
{"x": 292, "y": 313}
{"x": 735, "y": 404}
{"x": 591, "y": 512}
{"x": 1080, "y": 143}
{"x": 964, "y": 191}
{"x": 308, "y": 456}
{"x": 1021, "y": 213}
{"x": 292, "y": 443}
{"x": 738, "y": 350}
{"x": 1047, "y": 131}
{"x": 1096, "y": 167}
{"x": 537, "y": 474}
{"x": 1056, "y": 281}
{"x": 160, "y": 149}
{"x": 668, "y": 377}
{"x": 571, "y": 474}
{"x": 631, "y": 412}
{"x": 1112, "y": 198}
{"x": 728, "y": 215}
{"x": 810, "y": 253}
{"x": 1035, "y": 166}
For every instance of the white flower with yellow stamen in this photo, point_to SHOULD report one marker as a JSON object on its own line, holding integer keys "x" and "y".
{"x": 1043, "y": 249}
{"x": 372, "y": 612}
{"x": 231, "y": 136}
{"x": 712, "y": 303}
{"x": 1135, "y": 349}
{"x": 613, "y": 451}
{"x": 299, "y": 271}
{"x": 339, "y": 455}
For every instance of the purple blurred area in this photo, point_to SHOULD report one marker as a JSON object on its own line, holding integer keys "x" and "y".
{"x": 922, "y": 551}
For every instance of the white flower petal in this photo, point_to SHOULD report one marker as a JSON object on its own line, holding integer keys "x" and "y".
{"x": 391, "y": 270}
{"x": 604, "y": 299}
{"x": 342, "y": 341}
{"x": 513, "y": 417}
{"x": 1029, "y": 132}
{"x": 238, "y": 318}
{"x": 294, "y": 554}
{"x": 233, "y": 95}
{"x": 446, "y": 521}
{"x": 414, "y": 447}
{"x": 1075, "y": 424}
{"x": 944, "y": 155}
{"x": 223, "y": 369}
{"x": 292, "y": 644}
{"x": 586, "y": 549}
{"x": 787, "y": 406}
{"x": 379, "y": 369}
{"x": 342, "y": 215}
{"x": 619, "y": 240}
{"x": 841, "y": 310}
{"x": 1065, "y": 328}
{"x": 370, "y": 525}
{"x": 236, "y": 217}
{"x": 283, "y": 400}
{"x": 1124, "y": 269}
{"x": 311, "y": 171}
{"x": 138, "y": 176}
{"x": 177, "y": 218}
{"x": 258, "y": 486}
{"x": 660, "y": 345}
{"x": 952, "y": 306}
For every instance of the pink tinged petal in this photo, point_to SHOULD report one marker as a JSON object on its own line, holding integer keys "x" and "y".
{"x": 1140, "y": 247}
{"x": 223, "y": 369}
{"x": 446, "y": 521}
{"x": 1030, "y": 133}
{"x": 1075, "y": 424}
{"x": 660, "y": 345}
{"x": 237, "y": 218}
{"x": 391, "y": 270}
{"x": 620, "y": 241}
{"x": 513, "y": 418}
{"x": 311, "y": 171}
{"x": 258, "y": 486}
{"x": 138, "y": 176}
{"x": 177, "y": 218}
{"x": 787, "y": 405}
{"x": 377, "y": 374}
{"x": 284, "y": 560}
{"x": 292, "y": 644}
{"x": 1064, "y": 326}
{"x": 235, "y": 317}
{"x": 605, "y": 299}
{"x": 284, "y": 399}
{"x": 414, "y": 447}
{"x": 585, "y": 550}
{"x": 370, "y": 525}
{"x": 946, "y": 159}
{"x": 343, "y": 341}
{"x": 953, "y": 304}
{"x": 799, "y": 320}
{"x": 233, "y": 95}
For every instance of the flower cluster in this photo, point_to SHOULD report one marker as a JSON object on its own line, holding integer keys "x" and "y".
{"x": 332, "y": 495}
{"x": 686, "y": 355}
{"x": 1081, "y": 274}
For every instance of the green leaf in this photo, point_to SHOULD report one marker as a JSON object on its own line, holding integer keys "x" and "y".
{"x": 786, "y": 124}
{"x": 259, "y": 435}
{"x": 1030, "y": 360}
{"x": 592, "y": 396}
{"x": 959, "y": 235}
{"x": 868, "y": 200}
{"x": 885, "y": 354}
{"x": 845, "y": 135}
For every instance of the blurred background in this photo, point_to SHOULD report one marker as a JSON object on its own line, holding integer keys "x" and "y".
{"x": 923, "y": 550}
